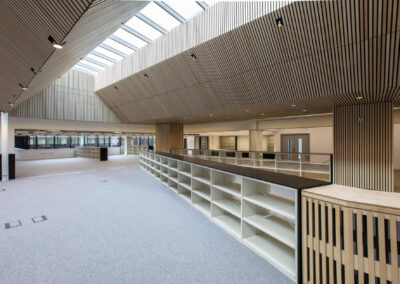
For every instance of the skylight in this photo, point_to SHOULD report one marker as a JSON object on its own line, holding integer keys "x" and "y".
{"x": 154, "y": 20}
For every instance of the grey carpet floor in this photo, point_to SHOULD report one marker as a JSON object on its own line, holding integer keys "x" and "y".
{"x": 129, "y": 229}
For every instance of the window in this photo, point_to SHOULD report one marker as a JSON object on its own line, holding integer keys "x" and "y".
{"x": 155, "y": 19}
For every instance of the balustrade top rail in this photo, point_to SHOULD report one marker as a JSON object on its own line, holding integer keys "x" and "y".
{"x": 313, "y": 165}
{"x": 277, "y": 178}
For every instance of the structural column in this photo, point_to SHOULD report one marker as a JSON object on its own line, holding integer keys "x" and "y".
{"x": 255, "y": 140}
{"x": 169, "y": 136}
{"x": 125, "y": 145}
{"x": 363, "y": 146}
{"x": 4, "y": 146}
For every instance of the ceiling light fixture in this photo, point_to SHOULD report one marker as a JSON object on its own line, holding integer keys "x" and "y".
{"x": 11, "y": 104}
{"x": 122, "y": 24}
{"x": 246, "y": 110}
{"x": 359, "y": 98}
{"x": 279, "y": 22}
{"x": 193, "y": 56}
{"x": 211, "y": 114}
{"x": 55, "y": 44}
{"x": 23, "y": 87}
{"x": 262, "y": 114}
{"x": 34, "y": 71}
{"x": 304, "y": 110}
{"x": 146, "y": 76}
{"x": 115, "y": 87}
{"x": 293, "y": 105}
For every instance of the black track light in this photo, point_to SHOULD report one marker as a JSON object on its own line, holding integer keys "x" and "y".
{"x": 115, "y": 87}
{"x": 146, "y": 76}
{"x": 55, "y": 43}
{"x": 279, "y": 22}
{"x": 34, "y": 71}
{"x": 23, "y": 87}
{"x": 193, "y": 56}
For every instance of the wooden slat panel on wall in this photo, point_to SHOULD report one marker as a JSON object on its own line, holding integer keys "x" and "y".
{"x": 363, "y": 146}
{"x": 71, "y": 97}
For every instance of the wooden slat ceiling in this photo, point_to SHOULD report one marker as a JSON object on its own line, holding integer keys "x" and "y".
{"x": 25, "y": 27}
{"x": 327, "y": 54}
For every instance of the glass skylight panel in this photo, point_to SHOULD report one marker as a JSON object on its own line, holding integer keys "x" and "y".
{"x": 84, "y": 70}
{"x": 118, "y": 46}
{"x": 83, "y": 61}
{"x": 210, "y": 3}
{"x": 94, "y": 57}
{"x": 108, "y": 53}
{"x": 143, "y": 28}
{"x": 159, "y": 16}
{"x": 186, "y": 9}
{"x": 128, "y": 37}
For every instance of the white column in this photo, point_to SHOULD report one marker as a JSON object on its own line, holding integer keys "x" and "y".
{"x": 4, "y": 145}
{"x": 255, "y": 140}
{"x": 125, "y": 145}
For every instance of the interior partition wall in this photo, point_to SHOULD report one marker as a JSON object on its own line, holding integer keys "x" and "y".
{"x": 363, "y": 146}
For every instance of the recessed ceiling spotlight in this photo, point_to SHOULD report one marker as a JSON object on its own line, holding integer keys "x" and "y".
{"x": 23, "y": 87}
{"x": 279, "y": 22}
{"x": 55, "y": 44}
{"x": 359, "y": 98}
{"x": 146, "y": 76}
{"x": 11, "y": 104}
{"x": 262, "y": 114}
{"x": 193, "y": 56}
{"x": 293, "y": 105}
{"x": 304, "y": 110}
{"x": 122, "y": 24}
{"x": 211, "y": 114}
{"x": 246, "y": 110}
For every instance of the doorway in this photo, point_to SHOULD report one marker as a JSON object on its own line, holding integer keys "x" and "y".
{"x": 295, "y": 143}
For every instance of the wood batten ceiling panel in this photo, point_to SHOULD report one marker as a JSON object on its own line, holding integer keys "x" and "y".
{"x": 24, "y": 29}
{"x": 328, "y": 53}
{"x": 100, "y": 20}
{"x": 214, "y": 21}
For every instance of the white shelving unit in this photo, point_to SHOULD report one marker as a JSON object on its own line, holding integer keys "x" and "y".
{"x": 260, "y": 214}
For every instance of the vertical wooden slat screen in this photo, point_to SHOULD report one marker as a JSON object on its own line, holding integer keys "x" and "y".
{"x": 71, "y": 97}
{"x": 362, "y": 246}
{"x": 363, "y": 146}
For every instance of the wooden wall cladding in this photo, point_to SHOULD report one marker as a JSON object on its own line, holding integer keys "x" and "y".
{"x": 71, "y": 97}
{"x": 327, "y": 54}
{"x": 25, "y": 27}
{"x": 169, "y": 136}
{"x": 350, "y": 241}
{"x": 363, "y": 146}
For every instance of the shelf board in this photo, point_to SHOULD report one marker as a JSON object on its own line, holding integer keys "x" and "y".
{"x": 277, "y": 205}
{"x": 280, "y": 256}
{"x": 203, "y": 180}
{"x": 233, "y": 189}
{"x": 228, "y": 205}
{"x": 203, "y": 206}
{"x": 229, "y": 223}
{"x": 174, "y": 179}
{"x": 275, "y": 227}
{"x": 185, "y": 185}
{"x": 203, "y": 194}
{"x": 185, "y": 196}
{"x": 188, "y": 174}
{"x": 173, "y": 169}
